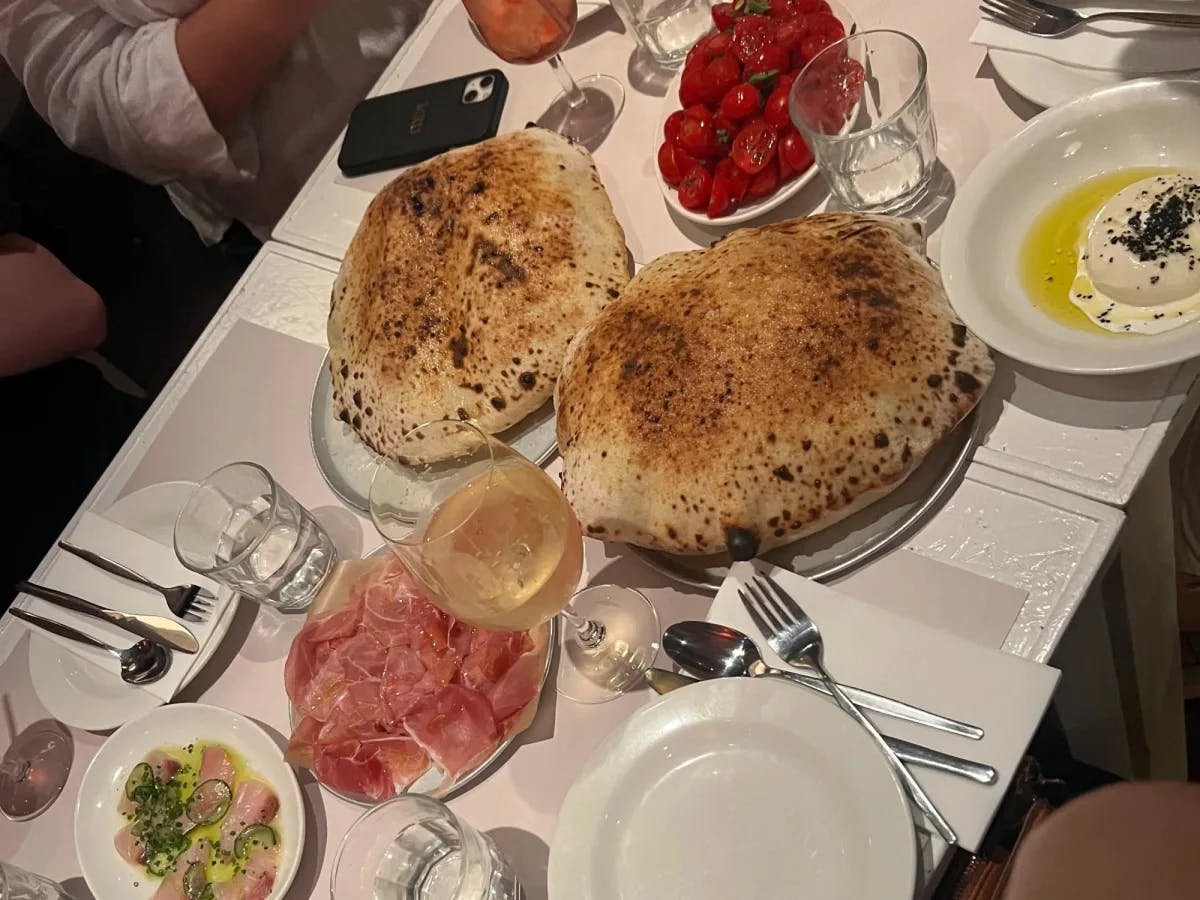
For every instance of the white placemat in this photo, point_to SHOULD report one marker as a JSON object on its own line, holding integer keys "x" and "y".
{"x": 890, "y": 654}
{"x": 73, "y": 575}
{"x": 1115, "y": 46}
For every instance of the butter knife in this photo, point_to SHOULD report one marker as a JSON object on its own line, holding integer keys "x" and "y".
{"x": 663, "y": 681}
{"x": 156, "y": 628}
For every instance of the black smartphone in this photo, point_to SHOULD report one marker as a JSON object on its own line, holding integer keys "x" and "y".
{"x": 409, "y": 126}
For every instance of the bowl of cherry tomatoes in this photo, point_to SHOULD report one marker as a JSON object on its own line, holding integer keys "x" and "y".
{"x": 726, "y": 149}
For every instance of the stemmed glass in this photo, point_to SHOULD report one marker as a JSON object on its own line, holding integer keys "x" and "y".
{"x": 495, "y": 543}
{"x": 525, "y": 32}
{"x": 33, "y": 771}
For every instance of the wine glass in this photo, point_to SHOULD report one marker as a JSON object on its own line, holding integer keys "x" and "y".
{"x": 525, "y": 32}
{"x": 33, "y": 771}
{"x": 495, "y": 543}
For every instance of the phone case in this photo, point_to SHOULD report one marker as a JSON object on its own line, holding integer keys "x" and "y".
{"x": 409, "y": 126}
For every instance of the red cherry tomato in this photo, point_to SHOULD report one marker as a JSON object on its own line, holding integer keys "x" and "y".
{"x": 691, "y": 86}
{"x": 726, "y": 131}
{"x": 695, "y": 188}
{"x": 790, "y": 33}
{"x": 775, "y": 110}
{"x": 697, "y": 135}
{"x": 718, "y": 44}
{"x": 809, "y": 6}
{"x": 785, "y": 80}
{"x": 723, "y": 15}
{"x": 728, "y": 187}
{"x": 821, "y": 30}
{"x": 765, "y": 183}
{"x": 754, "y": 147}
{"x": 781, "y": 9}
{"x": 666, "y": 164}
{"x": 794, "y": 156}
{"x": 671, "y": 126}
{"x": 719, "y": 76}
{"x": 750, "y": 34}
{"x": 770, "y": 58}
{"x": 741, "y": 102}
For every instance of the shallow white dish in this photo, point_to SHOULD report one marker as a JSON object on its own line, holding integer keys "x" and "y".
{"x": 735, "y": 787}
{"x": 1149, "y": 122}
{"x": 96, "y": 818}
{"x": 92, "y": 698}
{"x": 1046, "y": 82}
{"x": 747, "y": 211}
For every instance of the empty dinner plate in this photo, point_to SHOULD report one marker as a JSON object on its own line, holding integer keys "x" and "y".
{"x": 735, "y": 787}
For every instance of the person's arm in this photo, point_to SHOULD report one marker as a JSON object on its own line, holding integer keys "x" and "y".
{"x": 230, "y": 49}
{"x": 48, "y": 313}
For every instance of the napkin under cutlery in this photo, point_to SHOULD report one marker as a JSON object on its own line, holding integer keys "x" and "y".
{"x": 75, "y": 576}
{"x": 1115, "y": 46}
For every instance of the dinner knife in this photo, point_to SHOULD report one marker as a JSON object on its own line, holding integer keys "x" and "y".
{"x": 156, "y": 628}
{"x": 663, "y": 681}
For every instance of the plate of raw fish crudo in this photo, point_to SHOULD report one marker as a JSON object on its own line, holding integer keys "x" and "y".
{"x": 191, "y": 802}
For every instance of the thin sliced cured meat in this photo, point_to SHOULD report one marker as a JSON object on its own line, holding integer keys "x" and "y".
{"x": 492, "y": 654}
{"x": 457, "y": 729}
{"x": 516, "y": 689}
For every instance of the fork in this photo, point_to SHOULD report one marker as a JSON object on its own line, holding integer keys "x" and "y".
{"x": 796, "y": 638}
{"x": 189, "y": 602}
{"x": 1050, "y": 20}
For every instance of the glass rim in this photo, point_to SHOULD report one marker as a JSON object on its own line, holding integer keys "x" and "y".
{"x": 437, "y": 806}
{"x": 922, "y": 82}
{"x": 240, "y": 557}
{"x": 413, "y": 539}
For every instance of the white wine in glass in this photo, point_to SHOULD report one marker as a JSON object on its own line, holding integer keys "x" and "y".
{"x": 495, "y": 543}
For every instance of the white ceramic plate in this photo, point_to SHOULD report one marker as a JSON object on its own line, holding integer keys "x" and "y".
{"x": 87, "y": 696}
{"x": 1046, "y": 82}
{"x": 96, "y": 817}
{"x": 735, "y": 787}
{"x": 348, "y": 465}
{"x": 747, "y": 211}
{"x": 1149, "y": 122}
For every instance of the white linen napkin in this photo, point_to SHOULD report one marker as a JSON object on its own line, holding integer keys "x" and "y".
{"x": 75, "y": 576}
{"x": 1115, "y": 46}
{"x": 875, "y": 649}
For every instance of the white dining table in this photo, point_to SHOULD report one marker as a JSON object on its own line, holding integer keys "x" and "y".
{"x": 1108, "y": 439}
{"x": 1047, "y": 542}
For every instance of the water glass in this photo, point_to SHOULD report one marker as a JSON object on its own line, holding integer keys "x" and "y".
{"x": 241, "y": 528}
{"x": 666, "y": 29}
{"x": 415, "y": 848}
{"x": 17, "y": 884}
{"x": 862, "y": 105}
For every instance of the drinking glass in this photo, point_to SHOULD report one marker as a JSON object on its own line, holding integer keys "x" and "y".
{"x": 415, "y": 848}
{"x": 525, "y": 32}
{"x": 33, "y": 772}
{"x": 862, "y": 105}
{"x": 666, "y": 29}
{"x": 241, "y": 528}
{"x": 17, "y": 884}
{"x": 495, "y": 543}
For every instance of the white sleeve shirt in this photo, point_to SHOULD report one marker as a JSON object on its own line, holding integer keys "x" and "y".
{"x": 106, "y": 75}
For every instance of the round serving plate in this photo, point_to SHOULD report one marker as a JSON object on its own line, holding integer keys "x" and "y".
{"x": 844, "y": 546}
{"x": 735, "y": 787}
{"x": 347, "y": 464}
{"x": 431, "y": 784}
{"x": 1046, "y": 82}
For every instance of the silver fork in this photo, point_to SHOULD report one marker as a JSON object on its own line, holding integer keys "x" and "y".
{"x": 796, "y": 638}
{"x": 189, "y": 602}
{"x": 1050, "y": 20}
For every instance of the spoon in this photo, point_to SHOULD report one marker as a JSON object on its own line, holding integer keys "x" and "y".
{"x": 663, "y": 681}
{"x": 718, "y": 651}
{"x": 143, "y": 663}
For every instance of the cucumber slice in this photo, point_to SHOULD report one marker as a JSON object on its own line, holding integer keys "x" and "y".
{"x": 209, "y": 802}
{"x": 195, "y": 882}
{"x": 251, "y": 838}
{"x": 141, "y": 774}
{"x": 161, "y": 862}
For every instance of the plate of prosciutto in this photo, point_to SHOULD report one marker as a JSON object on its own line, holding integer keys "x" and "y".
{"x": 389, "y": 694}
{"x": 190, "y": 801}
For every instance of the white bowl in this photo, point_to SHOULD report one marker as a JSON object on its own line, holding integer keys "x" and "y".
{"x": 1149, "y": 122}
{"x": 96, "y": 818}
{"x": 746, "y": 211}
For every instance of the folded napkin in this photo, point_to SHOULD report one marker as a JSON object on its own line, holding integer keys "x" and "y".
{"x": 75, "y": 576}
{"x": 1115, "y": 46}
{"x": 873, "y": 648}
